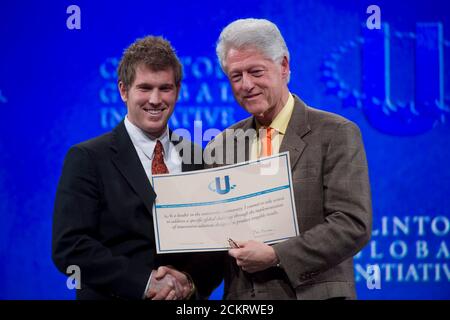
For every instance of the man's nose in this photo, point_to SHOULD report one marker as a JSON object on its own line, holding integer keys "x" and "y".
{"x": 247, "y": 83}
{"x": 155, "y": 97}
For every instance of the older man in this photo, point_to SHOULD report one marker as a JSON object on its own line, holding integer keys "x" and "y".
{"x": 103, "y": 210}
{"x": 329, "y": 172}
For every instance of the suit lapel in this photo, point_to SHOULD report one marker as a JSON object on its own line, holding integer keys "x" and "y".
{"x": 297, "y": 128}
{"x": 128, "y": 163}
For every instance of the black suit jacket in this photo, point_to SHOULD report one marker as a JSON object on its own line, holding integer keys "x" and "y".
{"x": 103, "y": 220}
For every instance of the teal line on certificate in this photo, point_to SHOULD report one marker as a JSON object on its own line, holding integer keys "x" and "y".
{"x": 221, "y": 248}
{"x": 198, "y": 204}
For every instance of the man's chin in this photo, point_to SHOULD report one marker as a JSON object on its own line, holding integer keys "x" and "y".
{"x": 257, "y": 111}
{"x": 155, "y": 130}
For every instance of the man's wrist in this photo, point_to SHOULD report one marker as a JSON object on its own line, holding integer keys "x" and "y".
{"x": 147, "y": 287}
{"x": 192, "y": 285}
{"x": 276, "y": 260}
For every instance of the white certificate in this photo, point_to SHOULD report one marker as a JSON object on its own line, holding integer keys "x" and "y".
{"x": 199, "y": 210}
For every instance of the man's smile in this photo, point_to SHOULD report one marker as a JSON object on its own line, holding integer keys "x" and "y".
{"x": 251, "y": 96}
{"x": 154, "y": 111}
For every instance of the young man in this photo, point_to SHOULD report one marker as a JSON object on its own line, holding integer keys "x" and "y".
{"x": 103, "y": 211}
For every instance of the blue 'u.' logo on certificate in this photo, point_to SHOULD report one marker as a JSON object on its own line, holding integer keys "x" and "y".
{"x": 215, "y": 186}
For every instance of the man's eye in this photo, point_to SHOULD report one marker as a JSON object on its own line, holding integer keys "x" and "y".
{"x": 257, "y": 73}
{"x": 166, "y": 89}
{"x": 236, "y": 77}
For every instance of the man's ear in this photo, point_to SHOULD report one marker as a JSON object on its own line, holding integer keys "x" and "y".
{"x": 123, "y": 91}
{"x": 285, "y": 69}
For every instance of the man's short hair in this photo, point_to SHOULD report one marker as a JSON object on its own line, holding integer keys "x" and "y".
{"x": 155, "y": 53}
{"x": 259, "y": 34}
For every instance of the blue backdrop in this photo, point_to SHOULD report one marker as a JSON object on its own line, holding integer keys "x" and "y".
{"x": 58, "y": 87}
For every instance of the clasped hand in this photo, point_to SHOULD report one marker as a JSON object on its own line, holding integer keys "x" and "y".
{"x": 169, "y": 284}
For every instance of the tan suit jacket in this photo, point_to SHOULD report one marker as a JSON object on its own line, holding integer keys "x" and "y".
{"x": 332, "y": 198}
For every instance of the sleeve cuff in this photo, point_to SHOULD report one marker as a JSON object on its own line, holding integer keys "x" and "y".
{"x": 144, "y": 296}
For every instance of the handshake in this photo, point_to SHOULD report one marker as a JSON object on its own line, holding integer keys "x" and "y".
{"x": 169, "y": 284}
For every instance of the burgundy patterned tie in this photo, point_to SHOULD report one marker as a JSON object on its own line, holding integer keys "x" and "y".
{"x": 158, "y": 165}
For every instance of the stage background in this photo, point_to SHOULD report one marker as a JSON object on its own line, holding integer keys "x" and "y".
{"x": 58, "y": 87}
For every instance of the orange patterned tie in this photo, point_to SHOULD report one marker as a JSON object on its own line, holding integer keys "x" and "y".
{"x": 158, "y": 165}
{"x": 266, "y": 141}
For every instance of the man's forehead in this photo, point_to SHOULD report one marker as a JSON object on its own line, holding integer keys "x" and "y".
{"x": 245, "y": 58}
{"x": 245, "y": 52}
{"x": 145, "y": 68}
{"x": 146, "y": 76}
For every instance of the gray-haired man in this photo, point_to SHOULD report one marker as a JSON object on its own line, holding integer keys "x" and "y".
{"x": 329, "y": 172}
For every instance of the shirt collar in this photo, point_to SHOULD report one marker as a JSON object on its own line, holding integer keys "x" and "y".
{"x": 142, "y": 141}
{"x": 281, "y": 121}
